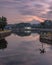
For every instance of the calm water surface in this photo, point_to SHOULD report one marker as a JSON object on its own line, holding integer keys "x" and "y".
{"x": 25, "y": 51}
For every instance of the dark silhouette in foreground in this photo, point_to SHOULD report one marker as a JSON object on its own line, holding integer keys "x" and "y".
{"x": 42, "y": 50}
{"x": 3, "y": 22}
{"x": 3, "y": 44}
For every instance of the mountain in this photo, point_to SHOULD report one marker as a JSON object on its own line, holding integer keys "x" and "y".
{"x": 34, "y": 22}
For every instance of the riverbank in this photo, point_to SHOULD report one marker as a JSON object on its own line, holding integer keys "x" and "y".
{"x": 5, "y": 33}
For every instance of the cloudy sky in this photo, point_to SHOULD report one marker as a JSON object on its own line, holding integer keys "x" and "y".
{"x": 26, "y": 10}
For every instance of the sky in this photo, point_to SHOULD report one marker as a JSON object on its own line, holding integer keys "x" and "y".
{"x": 17, "y": 11}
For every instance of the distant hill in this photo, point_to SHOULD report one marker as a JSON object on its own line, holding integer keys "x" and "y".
{"x": 34, "y": 22}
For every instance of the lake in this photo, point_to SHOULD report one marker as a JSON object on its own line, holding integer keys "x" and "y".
{"x": 16, "y": 50}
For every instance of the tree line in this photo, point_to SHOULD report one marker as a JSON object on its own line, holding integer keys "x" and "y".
{"x": 3, "y": 22}
{"x": 45, "y": 24}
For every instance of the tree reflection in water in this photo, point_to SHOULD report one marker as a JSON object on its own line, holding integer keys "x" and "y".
{"x": 3, "y": 44}
{"x": 45, "y": 37}
{"x": 22, "y": 33}
{"x": 42, "y": 50}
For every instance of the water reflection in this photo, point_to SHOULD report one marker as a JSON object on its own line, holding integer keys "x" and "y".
{"x": 23, "y": 50}
{"x": 3, "y": 44}
{"x": 42, "y": 50}
{"x": 46, "y": 37}
{"x": 22, "y": 32}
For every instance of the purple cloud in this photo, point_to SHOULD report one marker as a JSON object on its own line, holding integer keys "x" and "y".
{"x": 41, "y": 8}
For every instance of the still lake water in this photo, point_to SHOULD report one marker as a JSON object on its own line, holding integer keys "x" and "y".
{"x": 25, "y": 51}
